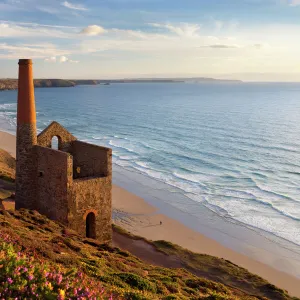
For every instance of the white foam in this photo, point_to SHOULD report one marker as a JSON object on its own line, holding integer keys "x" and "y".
{"x": 122, "y": 163}
{"x": 8, "y": 105}
{"x": 121, "y": 145}
{"x": 142, "y": 164}
{"x": 194, "y": 177}
{"x": 127, "y": 157}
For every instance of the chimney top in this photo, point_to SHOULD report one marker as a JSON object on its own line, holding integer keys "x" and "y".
{"x": 25, "y": 62}
{"x": 26, "y": 105}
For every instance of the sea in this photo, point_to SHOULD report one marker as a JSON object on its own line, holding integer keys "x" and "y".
{"x": 233, "y": 148}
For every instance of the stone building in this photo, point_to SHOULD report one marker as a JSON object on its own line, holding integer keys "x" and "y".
{"x": 71, "y": 184}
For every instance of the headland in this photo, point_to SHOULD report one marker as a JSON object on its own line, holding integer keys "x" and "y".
{"x": 139, "y": 217}
{"x": 12, "y": 84}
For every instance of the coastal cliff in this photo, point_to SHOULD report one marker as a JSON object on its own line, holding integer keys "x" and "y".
{"x": 55, "y": 262}
{"x": 12, "y": 84}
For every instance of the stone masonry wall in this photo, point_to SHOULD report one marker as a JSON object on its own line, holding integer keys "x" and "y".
{"x": 92, "y": 195}
{"x": 25, "y": 167}
{"x": 55, "y": 129}
{"x": 90, "y": 160}
{"x": 53, "y": 176}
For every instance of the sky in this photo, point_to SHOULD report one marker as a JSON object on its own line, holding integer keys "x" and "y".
{"x": 252, "y": 40}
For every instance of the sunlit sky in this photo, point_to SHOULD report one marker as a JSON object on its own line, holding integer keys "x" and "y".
{"x": 257, "y": 40}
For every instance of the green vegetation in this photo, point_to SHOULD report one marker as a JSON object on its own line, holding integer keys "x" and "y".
{"x": 12, "y": 84}
{"x": 60, "y": 251}
{"x": 41, "y": 259}
{"x": 32, "y": 247}
{"x": 53, "y": 83}
{"x": 214, "y": 268}
{"x": 7, "y": 166}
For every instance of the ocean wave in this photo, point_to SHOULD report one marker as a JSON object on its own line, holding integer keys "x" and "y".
{"x": 195, "y": 178}
{"x": 122, "y": 163}
{"x": 6, "y": 106}
{"x": 223, "y": 165}
{"x": 142, "y": 164}
{"x": 260, "y": 175}
{"x": 127, "y": 157}
{"x": 258, "y": 217}
{"x": 235, "y": 194}
{"x": 279, "y": 196}
{"x": 170, "y": 180}
{"x": 280, "y": 211}
{"x": 204, "y": 200}
{"x": 114, "y": 143}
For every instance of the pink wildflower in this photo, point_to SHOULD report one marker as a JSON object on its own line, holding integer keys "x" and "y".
{"x": 30, "y": 277}
{"x": 59, "y": 279}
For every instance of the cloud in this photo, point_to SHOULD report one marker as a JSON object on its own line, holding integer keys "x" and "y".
{"x": 73, "y": 6}
{"x": 184, "y": 29}
{"x": 294, "y": 2}
{"x": 222, "y": 46}
{"x": 234, "y": 46}
{"x": 30, "y": 24}
{"x": 45, "y": 50}
{"x": 62, "y": 59}
{"x": 14, "y": 29}
{"x": 51, "y": 59}
{"x": 93, "y": 30}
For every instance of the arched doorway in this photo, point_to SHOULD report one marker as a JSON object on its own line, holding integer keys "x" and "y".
{"x": 55, "y": 143}
{"x": 91, "y": 225}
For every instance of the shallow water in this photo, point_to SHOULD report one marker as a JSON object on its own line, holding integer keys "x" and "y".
{"x": 234, "y": 148}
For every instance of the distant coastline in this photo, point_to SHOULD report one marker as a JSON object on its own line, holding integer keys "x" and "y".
{"x": 12, "y": 84}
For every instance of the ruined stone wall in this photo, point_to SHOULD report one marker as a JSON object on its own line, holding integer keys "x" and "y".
{"x": 55, "y": 129}
{"x": 54, "y": 177}
{"x": 92, "y": 195}
{"x": 25, "y": 167}
{"x": 90, "y": 160}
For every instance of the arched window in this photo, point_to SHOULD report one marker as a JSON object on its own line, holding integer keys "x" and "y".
{"x": 55, "y": 143}
{"x": 91, "y": 225}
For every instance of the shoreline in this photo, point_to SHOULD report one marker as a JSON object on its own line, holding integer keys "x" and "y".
{"x": 140, "y": 216}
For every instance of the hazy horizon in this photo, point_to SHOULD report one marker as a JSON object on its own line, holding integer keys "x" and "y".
{"x": 247, "y": 78}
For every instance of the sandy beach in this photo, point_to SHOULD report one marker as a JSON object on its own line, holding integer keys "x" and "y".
{"x": 138, "y": 217}
{"x": 8, "y": 143}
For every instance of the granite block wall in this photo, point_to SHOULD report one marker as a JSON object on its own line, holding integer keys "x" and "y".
{"x": 55, "y": 129}
{"x": 90, "y": 160}
{"x": 92, "y": 195}
{"x": 53, "y": 178}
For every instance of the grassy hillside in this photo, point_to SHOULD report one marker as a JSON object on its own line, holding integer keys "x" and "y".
{"x": 32, "y": 247}
{"x": 12, "y": 84}
{"x": 41, "y": 259}
{"x": 53, "y": 83}
{"x": 7, "y": 166}
{"x": 7, "y": 175}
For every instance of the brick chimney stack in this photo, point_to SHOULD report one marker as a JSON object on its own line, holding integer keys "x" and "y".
{"x": 26, "y": 104}
{"x": 26, "y": 138}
